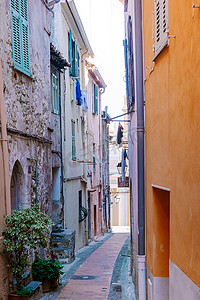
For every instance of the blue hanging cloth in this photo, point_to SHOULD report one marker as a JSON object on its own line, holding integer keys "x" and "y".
{"x": 85, "y": 100}
{"x": 78, "y": 93}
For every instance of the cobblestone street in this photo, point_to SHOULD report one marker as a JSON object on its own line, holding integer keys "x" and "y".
{"x": 100, "y": 271}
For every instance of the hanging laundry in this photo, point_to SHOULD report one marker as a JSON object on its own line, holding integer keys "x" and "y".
{"x": 74, "y": 90}
{"x": 78, "y": 93}
{"x": 124, "y": 164}
{"x": 71, "y": 89}
{"x": 85, "y": 100}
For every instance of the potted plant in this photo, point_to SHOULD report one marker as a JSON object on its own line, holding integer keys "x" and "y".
{"x": 23, "y": 294}
{"x": 48, "y": 271}
{"x": 26, "y": 229}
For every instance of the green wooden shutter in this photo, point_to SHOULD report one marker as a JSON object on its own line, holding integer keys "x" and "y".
{"x": 96, "y": 99}
{"x": 94, "y": 160}
{"x": 73, "y": 141}
{"x": 75, "y": 61}
{"x": 78, "y": 64}
{"x": 16, "y": 34}
{"x": 77, "y": 57}
{"x": 71, "y": 52}
{"x": 20, "y": 36}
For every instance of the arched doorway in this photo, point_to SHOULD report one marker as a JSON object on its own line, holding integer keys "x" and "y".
{"x": 17, "y": 186}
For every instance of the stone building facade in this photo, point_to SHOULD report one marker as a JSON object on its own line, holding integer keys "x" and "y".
{"x": 27, "y": 101}
{"x": 25, "y": 55}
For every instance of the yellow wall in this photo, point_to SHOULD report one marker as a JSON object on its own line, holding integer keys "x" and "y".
{"x": 173, "y": 135}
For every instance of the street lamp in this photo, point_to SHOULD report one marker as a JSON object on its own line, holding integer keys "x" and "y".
{"x": 119, "y": 168}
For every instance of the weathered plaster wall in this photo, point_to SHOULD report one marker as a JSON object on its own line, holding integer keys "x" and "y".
{"x": 94, "y": 133}
{"x": 72, "y": 208}
{"x": 73, "y": 170}
{"x": 105, "y": 174}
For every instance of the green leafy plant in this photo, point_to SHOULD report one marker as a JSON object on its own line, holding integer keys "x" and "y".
{"x": 43, "y": 269}
{"x": 25, "y": 291}
{"x": 26, "y": 229}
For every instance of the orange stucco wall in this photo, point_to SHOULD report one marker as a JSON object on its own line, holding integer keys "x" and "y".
{"x": 172, "y": 135}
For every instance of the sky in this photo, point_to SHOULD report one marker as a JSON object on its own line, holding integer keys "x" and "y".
{"x": 103, "y": 21}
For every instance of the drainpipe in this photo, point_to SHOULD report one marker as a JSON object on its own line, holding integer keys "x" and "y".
{"x": 64, "y": 154}
{"x": 61, "y": 152}
{"x": 140, "y": 148}
{"x": 4, "y": 142}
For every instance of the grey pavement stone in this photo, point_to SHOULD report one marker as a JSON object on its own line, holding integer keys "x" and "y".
{"x": 122, "y": 287}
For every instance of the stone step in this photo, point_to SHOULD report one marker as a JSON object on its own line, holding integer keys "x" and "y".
{"x": 36, "y": 289}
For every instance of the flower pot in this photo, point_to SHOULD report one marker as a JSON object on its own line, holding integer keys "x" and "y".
{"x": 49, "y": 284}
{"x": 17, "y": 297}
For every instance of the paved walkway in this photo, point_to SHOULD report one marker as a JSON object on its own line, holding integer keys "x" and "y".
{"x": 99, "y": 265}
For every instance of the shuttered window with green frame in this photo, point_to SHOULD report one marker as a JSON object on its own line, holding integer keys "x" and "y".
{"x": 74, "y": 57}
{"x": 55, "y": 93}
{"x": 73, "y": 140}
{"x": 96, "y": 99}
{"x": 20, "y": 35}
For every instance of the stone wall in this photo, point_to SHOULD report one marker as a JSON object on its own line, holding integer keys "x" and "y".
{"x": 28, "y": 105}
{"x": 28, "y": 110}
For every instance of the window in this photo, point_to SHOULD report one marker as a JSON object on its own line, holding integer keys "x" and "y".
{"x": 82, "y": 210}
{"x": 73, "y": 141}
{"x": 20, "y": 35}
{"x": 95, "y": 99}
{"x": 161, "y": 25}
{"x": 80, "y": 204}
{"x": 74, "y": 57}
{"x": 55, "y": 93}
{"x": 94, "y": 160}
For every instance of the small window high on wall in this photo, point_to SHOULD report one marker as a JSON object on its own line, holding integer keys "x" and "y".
{"x": 55, "y": 92}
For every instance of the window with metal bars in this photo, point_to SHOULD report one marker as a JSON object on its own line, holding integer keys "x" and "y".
{"x": 20, "y": 35}
{"x": 73, "y": 140}
{"x": 161, "y": 25}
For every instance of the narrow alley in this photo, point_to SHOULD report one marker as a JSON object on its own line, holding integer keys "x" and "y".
{"x": 99, "y": 150}
{"x": 100, "y": 271}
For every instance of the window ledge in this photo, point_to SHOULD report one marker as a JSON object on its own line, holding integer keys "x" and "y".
{"x": 30, "y": 76}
